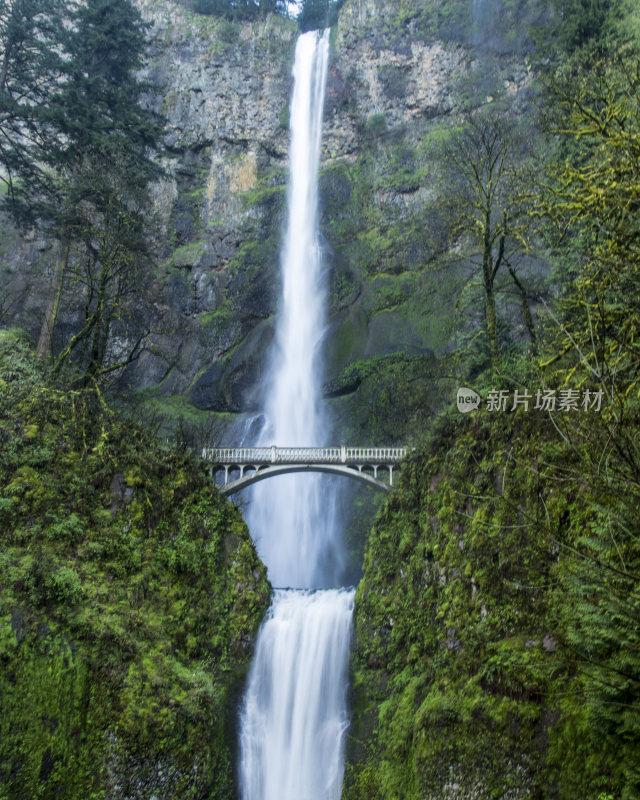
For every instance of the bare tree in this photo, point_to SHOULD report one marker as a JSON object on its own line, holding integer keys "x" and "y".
{"x": 488, "y": 183}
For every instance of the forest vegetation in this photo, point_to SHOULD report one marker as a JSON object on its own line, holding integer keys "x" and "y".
{"x": 497, "y": 620}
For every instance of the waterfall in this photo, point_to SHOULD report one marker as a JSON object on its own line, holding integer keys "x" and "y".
{"x": 294, "y": 714}
{"x": 292, "y": 522}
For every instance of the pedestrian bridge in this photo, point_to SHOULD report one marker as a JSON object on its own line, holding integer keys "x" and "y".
{"x": 242, "y": 466}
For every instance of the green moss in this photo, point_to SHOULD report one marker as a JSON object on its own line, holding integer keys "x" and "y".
{"x": 170, "y": 405}
{"x": 391, "y": 290}
{"x": 459, "y": 673}
{"x": 376, "y": 125}
{"x": 186, "y": 254}
{"x": 284, "y": 116}
{"x": 347, "y": 342}
{"x": 270, "y": 191}
{"x": 129, "y": 594}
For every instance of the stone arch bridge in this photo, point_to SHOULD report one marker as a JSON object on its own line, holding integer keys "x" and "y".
{"x": 243, "y": 466}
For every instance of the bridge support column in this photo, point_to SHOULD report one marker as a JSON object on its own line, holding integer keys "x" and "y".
{"x": 274, "y": 457}
{"x": 390, "y": 475}
{"x": 343, "y": 454}
{"x": 226, "y": 474}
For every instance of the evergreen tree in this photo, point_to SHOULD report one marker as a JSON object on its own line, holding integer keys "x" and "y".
{"x": 318, "y": 14}
{"x": 99, "y": 109}
{"x": 32, "y": 68}
{"x": 103, "y": 161}
{"x": 583, "y": 21}
{"x": 239, "y": 9}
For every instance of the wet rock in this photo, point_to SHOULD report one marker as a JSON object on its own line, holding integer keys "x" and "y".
{"x": 230, "y": 385}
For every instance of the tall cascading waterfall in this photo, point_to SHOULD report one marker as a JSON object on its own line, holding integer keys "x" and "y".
{"x": 483, "y": 21}
{"x": 294, "y": 714}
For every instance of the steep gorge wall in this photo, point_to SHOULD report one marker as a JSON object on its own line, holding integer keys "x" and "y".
{"x": 227, "y": 109}
{"x": 399, "y": 76}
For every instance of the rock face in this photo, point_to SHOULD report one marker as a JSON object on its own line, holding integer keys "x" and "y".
{"x": 398, "y": 78}
{"x": 222, "y": 88}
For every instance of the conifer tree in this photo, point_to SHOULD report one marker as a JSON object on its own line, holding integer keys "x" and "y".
{"x": 103, "y": 160}
{"x": 32, "y": 68}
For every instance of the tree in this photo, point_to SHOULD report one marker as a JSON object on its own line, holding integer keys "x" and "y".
{"x": 593, "y": 198}
{"x": 32, "y": 68}
{"x": 102, "y": 160}
{"x": 583, "y": 21}
{"x": 238, "y": 9}
{"x": 489, "y": 205}
{"x": 112, "y": 261}
{"x": 316, "y": 14}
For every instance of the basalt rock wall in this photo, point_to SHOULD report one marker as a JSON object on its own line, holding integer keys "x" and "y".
{"x": 399, "y": 77}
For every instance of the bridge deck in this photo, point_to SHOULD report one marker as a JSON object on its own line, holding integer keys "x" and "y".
{"x": 306, "y": 455}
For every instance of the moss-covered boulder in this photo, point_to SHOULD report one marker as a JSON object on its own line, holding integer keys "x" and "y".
{"x": 465, "y": 680}
{"x": 130, "y": 594}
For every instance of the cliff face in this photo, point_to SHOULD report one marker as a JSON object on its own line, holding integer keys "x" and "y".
{"x": 223, "y": 90}
{"x": 398, "y": 78}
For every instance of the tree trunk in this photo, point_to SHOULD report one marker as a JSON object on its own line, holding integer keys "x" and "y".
{"x": 526, "y": 311}
{"x": 489, "y": 270}
{"x": 492, "y": 324}
{"x": 102, "y": 319}
{"x": 43, "y": 349}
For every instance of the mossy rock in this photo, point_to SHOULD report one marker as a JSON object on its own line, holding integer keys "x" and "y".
{"x": 462, "y": 687}
{"x": 130, "y": 596}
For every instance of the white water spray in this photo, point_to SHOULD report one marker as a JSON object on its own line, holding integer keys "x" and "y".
{"x": 292, "y": 523}
{"x": 294, "y": 713}
{"x": 295, "y": 705}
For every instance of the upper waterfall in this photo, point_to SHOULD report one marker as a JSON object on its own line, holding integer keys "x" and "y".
{"x": 292, "y": 523}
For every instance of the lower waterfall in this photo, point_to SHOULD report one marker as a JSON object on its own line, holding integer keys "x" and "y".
{"x": 294, "y": 712}
{"x": 294, "y": 716}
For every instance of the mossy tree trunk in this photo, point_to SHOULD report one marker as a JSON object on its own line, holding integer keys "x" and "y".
{"x": 43, "y": 349}
{"x": 526, "y": 311}
{"x": 112, "y": 270}
{"x": 490, "y": 267}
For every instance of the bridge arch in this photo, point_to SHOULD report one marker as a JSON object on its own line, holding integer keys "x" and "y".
{"x": 262, "y": 473}
{"x": 258, "y": 463}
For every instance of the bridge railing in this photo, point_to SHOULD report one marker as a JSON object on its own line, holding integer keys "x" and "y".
{"x": 291, "y": 455}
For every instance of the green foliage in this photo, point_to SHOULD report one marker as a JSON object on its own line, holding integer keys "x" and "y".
{"x": 318, "y": 14}
{"x": 85, "y": 98}
{"x": 82, "y": 111}
{"x": 458, "y": 615}
{"x": 584, "y": 21}
{"x": 32, "y": 36}
{"x": 129, "y": 595}
{"x": 375, "y": 125}
{"x": 237, "y": 9}
{"x": 593, "y": 190}
{"x": 101, "y": 214}
{"x": 497, "y": 620}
